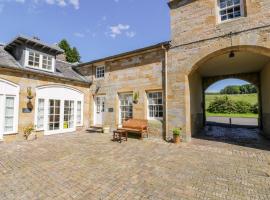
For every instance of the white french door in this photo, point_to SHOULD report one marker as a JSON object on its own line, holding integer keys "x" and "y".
{"x": 99, "y": 109}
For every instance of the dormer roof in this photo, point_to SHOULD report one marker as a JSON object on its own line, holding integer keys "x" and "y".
{"x": 35, "y": 43}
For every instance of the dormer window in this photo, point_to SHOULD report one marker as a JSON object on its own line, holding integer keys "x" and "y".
{"x": 230, "y": 9}
{"x": 47, "y": 63}
{"x": 33, "y": 60}
{"x": 38, "y": 60}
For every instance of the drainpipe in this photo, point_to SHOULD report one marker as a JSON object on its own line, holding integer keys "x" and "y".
{"x": 165, "y": 126}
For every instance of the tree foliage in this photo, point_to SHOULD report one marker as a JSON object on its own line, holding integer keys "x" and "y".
{"x": 227, "y": 106}
{"x": 72, "y": 54}
{"x": 243, "y": 89}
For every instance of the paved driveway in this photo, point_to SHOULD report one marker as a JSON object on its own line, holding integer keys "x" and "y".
{"x": 241, "y": 121}
{"x": 90, "y": 166}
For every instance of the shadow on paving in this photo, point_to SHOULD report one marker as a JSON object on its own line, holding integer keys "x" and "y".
{"x": 237, "y": 135}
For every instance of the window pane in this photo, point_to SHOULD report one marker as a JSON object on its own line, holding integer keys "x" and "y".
{"x": 40, "y": 114}
{"x": 126, "y": 107}
{"x": 9, "y": 114}
{"x": 230, "y": 9}
{"x": 79, "y": 112}
{"x": 155, "y": 107}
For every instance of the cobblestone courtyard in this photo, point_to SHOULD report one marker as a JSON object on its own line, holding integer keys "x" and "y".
{"x": 90, "y": 166}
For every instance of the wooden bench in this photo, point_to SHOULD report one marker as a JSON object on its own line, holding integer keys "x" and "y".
{"x": 139, "y": 126}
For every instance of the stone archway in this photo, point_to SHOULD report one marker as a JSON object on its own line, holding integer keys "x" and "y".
{"x": 250, "y": 63}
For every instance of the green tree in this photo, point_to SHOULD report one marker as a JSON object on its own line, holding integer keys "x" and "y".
{"x": 72, "y": 54}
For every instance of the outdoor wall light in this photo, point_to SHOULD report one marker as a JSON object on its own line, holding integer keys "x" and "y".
{"x": 232, "y": 54}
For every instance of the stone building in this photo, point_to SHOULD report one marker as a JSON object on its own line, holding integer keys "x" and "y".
{"x": 37, "y": 89}
{"x": 211, "y": 40}
{"x": 115, "y": 81}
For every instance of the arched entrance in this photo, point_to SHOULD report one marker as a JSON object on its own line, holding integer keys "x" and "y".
{"x": 248, "y": 63}
{"x": 9, "y": 107}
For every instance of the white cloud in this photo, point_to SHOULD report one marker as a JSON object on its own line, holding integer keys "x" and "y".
{"x": 61, "y": 3}
{"x": 121, "y": 29}
{"x": 130, "y": 34}
{"x": 118, "y": 30}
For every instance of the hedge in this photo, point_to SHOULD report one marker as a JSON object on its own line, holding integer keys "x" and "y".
{"x": 228, "y": 106}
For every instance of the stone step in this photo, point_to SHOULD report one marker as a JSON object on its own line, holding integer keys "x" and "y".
{"x": 95, "y": 129}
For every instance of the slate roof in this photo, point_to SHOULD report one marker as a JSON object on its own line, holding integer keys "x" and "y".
{"x": 21, "y": 39}
{"x": 63, "y": 69}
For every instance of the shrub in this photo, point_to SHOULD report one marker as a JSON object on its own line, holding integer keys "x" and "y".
{"x": 227, "y": 106}
{"x": 177, "y": 131}
{"x": 255, "y": 108}
{"x": 243, "y": 107}
{"x": 222, "y": 105}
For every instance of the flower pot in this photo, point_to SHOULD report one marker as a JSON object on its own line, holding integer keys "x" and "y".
{"x": 106, "y": 130}
{"x": 135, "y": 101}
{"x": 176, "y": 139}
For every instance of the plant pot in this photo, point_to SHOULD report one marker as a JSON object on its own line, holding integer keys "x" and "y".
{"x": 176, "y": 139}
{"x": 135, "y": 101}
{"x": 106, "y": 130}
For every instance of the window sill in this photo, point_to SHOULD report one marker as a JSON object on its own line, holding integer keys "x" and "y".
{"x": 10, "y": 133}
{"x": 220, "y": 23}
{"x": 40, "y": 69}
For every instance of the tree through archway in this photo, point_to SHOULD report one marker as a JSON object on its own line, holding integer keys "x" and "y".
{"x": 232, "y": 103}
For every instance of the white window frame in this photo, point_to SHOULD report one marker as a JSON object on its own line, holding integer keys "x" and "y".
{"x": 148, "y": 104}
{"x": 40, "y": 67}
{"x": 9, "y": 89}
{"x": 119, "y": 99}
{"x": 62, "y": 93}
{"x": 242, "y": 11}
{"x": 46, "y": 65}
{"x": 37, "y": 114}
{"x": 81, "y": 114}
{"x": 98, "y": 72}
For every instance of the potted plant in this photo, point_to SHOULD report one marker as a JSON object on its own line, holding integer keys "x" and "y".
{"x": 136, "y": 97}
{"x": 177, "y": 135}
{"x": 27, "y": 131}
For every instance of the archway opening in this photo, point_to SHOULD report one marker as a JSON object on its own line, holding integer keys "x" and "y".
{"x": 246, "y": 65}
{"x": 232, "y": 103}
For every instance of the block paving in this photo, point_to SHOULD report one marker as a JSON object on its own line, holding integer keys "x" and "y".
{"x": 91, "y": 166}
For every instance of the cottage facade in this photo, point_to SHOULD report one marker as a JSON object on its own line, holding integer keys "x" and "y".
{"x": 164, "y": 83}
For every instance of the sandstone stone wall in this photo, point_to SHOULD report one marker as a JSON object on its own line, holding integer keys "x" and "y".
{"x": 26, "y": 80}
{"x": 193, "y": 20}
{"x": 196, "y": 38}
{"x": 135, "y": 73}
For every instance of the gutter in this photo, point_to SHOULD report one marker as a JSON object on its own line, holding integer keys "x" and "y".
{"x": 10, "y": 68}
{"x": 125, "y": 54}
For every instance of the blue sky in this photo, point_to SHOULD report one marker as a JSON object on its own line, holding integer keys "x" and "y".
{"x": 216, "y": 87}
{"x": 97, "y": 28}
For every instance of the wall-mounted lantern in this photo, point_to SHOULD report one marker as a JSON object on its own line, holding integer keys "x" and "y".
{"x": 29, "y": 97}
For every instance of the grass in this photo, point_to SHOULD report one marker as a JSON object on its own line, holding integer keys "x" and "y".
{"x": 246, "y": 115}
{"x": 251, "y": 98}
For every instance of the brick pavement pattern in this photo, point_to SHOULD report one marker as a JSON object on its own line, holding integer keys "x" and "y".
{"x": 91, "y": 166}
